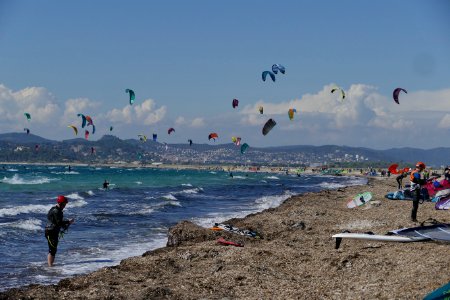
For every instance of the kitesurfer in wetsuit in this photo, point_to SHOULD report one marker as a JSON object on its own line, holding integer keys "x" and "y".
{"x": 417, "y": 181}
{"x": 55, "y": 223}
{"x": 105, "y": 184}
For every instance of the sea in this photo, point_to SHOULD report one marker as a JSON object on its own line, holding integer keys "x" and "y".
{"x": 129, "y": 218}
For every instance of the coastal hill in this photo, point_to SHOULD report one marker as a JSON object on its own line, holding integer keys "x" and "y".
{"x": 22, "y": 147}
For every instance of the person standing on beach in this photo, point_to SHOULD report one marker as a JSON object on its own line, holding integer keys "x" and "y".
{"x": 417, "y": 181}
{"x": 399, "y": 179}
{"x": 55, "y": 223}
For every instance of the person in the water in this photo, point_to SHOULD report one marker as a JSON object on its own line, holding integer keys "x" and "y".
{"x": 55, "y": 226}
{"x": 105, "y": 184}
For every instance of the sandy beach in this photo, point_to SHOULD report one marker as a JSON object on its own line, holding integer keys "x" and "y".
{"x": 295, "y": 259}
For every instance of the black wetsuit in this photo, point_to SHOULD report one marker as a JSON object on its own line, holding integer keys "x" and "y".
{"x": 54, "y": 226}
{"x": 399, "y": 179}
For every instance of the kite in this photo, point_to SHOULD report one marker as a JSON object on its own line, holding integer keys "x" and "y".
{"x": 170, "y": 130}
{"x": 235, "y": 103}
{"x": 268, "y": 126}
{"x": 396, "y": 93}
{"x": 236, "y": 140}
{"x": 28, "y": 116}
{"x": 74, "y": 129}
{"x": 93, "y": 128}
{"x": 213, "y": 136}
{"x": 278, "y": 67}
{"x": 244, "y": 148}
{"x": 110, "y": 128}
{"x": 336, "y": 88}
{"x": 132, "y": 95}
{"x": 264, "y": 75}
{"x": 83, "y": 118}
{"x": 89, "y": 120}
{"x": 86, "y": 134}
{"x": 142, "y": 137}
{"x": 291, "y": 113}
{"x": 261, "y": 110}
{"x": 155, "y": 136}
{"x": 27, "y": 130}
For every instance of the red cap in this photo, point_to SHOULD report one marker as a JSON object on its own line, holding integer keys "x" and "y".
{"x": 61, "y": 199}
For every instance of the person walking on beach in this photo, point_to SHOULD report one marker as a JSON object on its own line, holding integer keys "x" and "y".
{"x": 417, "y": 181}
{"x": 399, "y": 179}
{"x": 55, "y": 223}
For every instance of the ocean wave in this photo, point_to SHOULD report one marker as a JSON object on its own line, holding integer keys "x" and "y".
{"x": 272, "y": 177}
{"x": 186, "y": 184}
{"x": 331, "y": 185}
{"x": 66, "y": 173}
{"x": 29, "y": 224}
{"x": 193, "y": 191}
{"x": 12, "y": 170}
{"x": 75, "y": 196}
{"x": 25, "y": 209}
{"x": 138, "y": 182}
{"x": 240, "y": 177}
{"x": 16, "y": 179}
{"x": 266, "y": 202}
{"x": 169, "y": 197}
{"x": 90, "y": 193}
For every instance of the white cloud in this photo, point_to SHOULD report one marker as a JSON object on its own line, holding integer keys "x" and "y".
{"x": 73, "y": 107}
{"x": 36, "y": 101}
{"x": 145, "y": 113}
{"x": 197, "y": 123}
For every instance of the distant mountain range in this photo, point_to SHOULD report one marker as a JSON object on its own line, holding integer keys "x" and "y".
{"x": 22, "y": 147}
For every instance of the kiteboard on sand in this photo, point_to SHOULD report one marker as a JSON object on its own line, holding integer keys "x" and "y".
{"x": 359, "y": 200}
{"x": 375, "y": 237}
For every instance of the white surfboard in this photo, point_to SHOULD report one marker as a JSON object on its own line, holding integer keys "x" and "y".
{"x": 359, "y": 200}
{"x": 376, "y": 237}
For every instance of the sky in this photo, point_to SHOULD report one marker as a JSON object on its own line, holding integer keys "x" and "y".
{"x": 187, "y": 61}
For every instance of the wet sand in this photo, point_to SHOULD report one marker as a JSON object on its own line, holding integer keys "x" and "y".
{"x": 295, "y": 259}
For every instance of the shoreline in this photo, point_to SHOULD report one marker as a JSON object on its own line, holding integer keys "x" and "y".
{"x": 295, "y": 259}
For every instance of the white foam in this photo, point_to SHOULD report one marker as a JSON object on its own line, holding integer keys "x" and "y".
{"x": 80, "y": 263}
{"x": 186, "y": 184}
{"x": 213, "y": 172}
{"x": 328, "y": 185}
{"x": 66, "y": 173}
{"x": 272, "y": 177}
{"x": 169, "y": 197}
{"x": 90, "y": 193}
{"x": 138, "y": 182}
{"x": 240, "y": 177}
{"x": 78, "y": 203}
{"x": 16, "y": 179}
{"x": 12, "y": 170}
{"x": 193, "y": 191}
{"x": 266, "y": 202}
{"x": 29, "y": 224}
{"x": 74, "y": 196}
{"x": 25, "y": 209}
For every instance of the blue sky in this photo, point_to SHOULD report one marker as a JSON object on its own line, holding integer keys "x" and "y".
{"x": 187, "y": 60}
